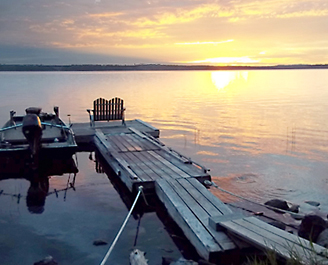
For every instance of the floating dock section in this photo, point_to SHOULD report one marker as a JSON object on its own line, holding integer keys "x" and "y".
{"x": 139, "y": 158}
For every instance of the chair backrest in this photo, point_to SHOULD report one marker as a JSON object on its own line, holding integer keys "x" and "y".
{"x": 105, "y": 110}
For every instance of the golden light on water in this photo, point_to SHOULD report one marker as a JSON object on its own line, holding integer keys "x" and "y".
{"x": 222, "y": 79}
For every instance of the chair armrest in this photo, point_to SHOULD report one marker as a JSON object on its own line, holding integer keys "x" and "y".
{"x": 91, "y": 116}
{"x": 123, "y": 116}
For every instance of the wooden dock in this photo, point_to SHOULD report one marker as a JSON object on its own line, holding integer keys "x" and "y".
{"x": 139, "y": 158}
{"x": 84, "y": 133}
{"x": 191, "y": 205}
{"x": 268, "y": 237}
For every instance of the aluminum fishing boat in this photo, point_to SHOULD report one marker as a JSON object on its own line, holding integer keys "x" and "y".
{"x": 37, "y": 133}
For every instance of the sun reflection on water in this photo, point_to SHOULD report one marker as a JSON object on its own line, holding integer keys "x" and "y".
{"x": 268, "y": 123}
{"x": 222, "y": 79}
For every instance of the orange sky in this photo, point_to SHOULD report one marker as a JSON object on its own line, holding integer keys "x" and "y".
{"x": 164, "y": 31}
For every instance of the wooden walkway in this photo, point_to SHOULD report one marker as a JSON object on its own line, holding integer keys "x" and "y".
{"x": 84, "y": 133}
{"x": 268, "y": 237}
{"x": 191, "y": 205}
{"x": 212, "y": 228}
{"x": 140, "y": 159}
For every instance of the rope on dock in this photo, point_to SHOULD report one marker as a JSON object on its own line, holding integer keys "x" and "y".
{"x": 122, "y": 227}
{"x": 211, "y": 183}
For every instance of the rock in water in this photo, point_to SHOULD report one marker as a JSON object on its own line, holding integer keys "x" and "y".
{"x": 99, "y": 242}
{"x": 280, "y": 204}
{"x": 323, "y": 238}
{"x": 47, "y": 261}
{"x": 183, "y": 261}
{"x": 313, "y": 203}
{"x": 137, "y": 257}
{"x": 278, "y": 224}
{"x": 294, "y": 208}
{"x": 311, "y": 227}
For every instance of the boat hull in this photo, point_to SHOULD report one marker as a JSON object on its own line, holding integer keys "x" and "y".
{"x": 56, "y": 138}
{"x": 53, "y": 151}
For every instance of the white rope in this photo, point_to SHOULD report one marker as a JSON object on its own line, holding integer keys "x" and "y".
{"x": 122, "y": 227}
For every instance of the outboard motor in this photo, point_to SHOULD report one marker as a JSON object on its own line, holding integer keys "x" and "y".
{"x": 32, "y": 131}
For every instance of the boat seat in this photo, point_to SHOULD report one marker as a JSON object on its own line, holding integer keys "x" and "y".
{"x": 107, "y": 110}
{"x": 33, "y": 110}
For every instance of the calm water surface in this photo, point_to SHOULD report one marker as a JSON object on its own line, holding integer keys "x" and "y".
{"x": 73, "y": 219}
{"x": 263, "y": 134}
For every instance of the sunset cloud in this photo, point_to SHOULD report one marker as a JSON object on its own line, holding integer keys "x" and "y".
{"x": 173, "y": 30}
{"x": 204, "y": 42}
{"x": 227, "y": 60}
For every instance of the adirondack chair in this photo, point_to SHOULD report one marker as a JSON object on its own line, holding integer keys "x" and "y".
{"x": 107, "y": 110}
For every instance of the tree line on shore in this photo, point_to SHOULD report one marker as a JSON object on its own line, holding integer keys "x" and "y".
{"x": 147, "y": 67}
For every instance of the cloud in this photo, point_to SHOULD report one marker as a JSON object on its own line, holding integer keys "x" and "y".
{"x": 227, "y": 60}
{"x": 204, "y": 42}
{"x": 165, "y": 28}
{"x": 35, "y": 55}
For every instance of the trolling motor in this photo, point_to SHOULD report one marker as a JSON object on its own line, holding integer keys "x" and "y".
{"x": 32, "y": 129}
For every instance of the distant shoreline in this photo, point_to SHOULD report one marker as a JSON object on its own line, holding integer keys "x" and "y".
{"x": 148, "y": 67}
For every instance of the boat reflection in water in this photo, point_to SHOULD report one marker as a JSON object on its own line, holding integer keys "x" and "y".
{"x": 16, "y": 167}
{"x": 36, "y": 194}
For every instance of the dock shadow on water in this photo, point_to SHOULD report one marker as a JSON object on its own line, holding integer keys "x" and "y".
{"x": 59, "y": 211}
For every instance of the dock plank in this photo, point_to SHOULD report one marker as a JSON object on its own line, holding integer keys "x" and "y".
{"x": 167, "y": 164}
{"x": 144, "y": 143}
{"x": 183, "y": 216}
{"x": 114, "y": 164}
{"x": 150, "y": 139}
{"x": 211, "y": 204}
{"x": 115, "y": 155}
{"x": 223, "y": 208}
{"x": 117, "y": 141}
{"x": 266, "y": 236}
{"x": 139, "y": 167}
{"x": 188, "y": 168}
{"x": 287, "y": 236}
{"x": 133, "y": 142}
{"x": 163, "y": 171}
{"x": 157, "y": 168}
{"x": 124, "y": 164}
{"x": 150, "y": 128}
{"x": 201, "y": 209}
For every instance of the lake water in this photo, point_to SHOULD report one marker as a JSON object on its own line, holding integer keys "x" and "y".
{"x": 262, "y": 134}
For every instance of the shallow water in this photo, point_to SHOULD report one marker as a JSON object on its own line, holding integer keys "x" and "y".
{"x": 263, "y": 134}
{"x": 73, "y": 219}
